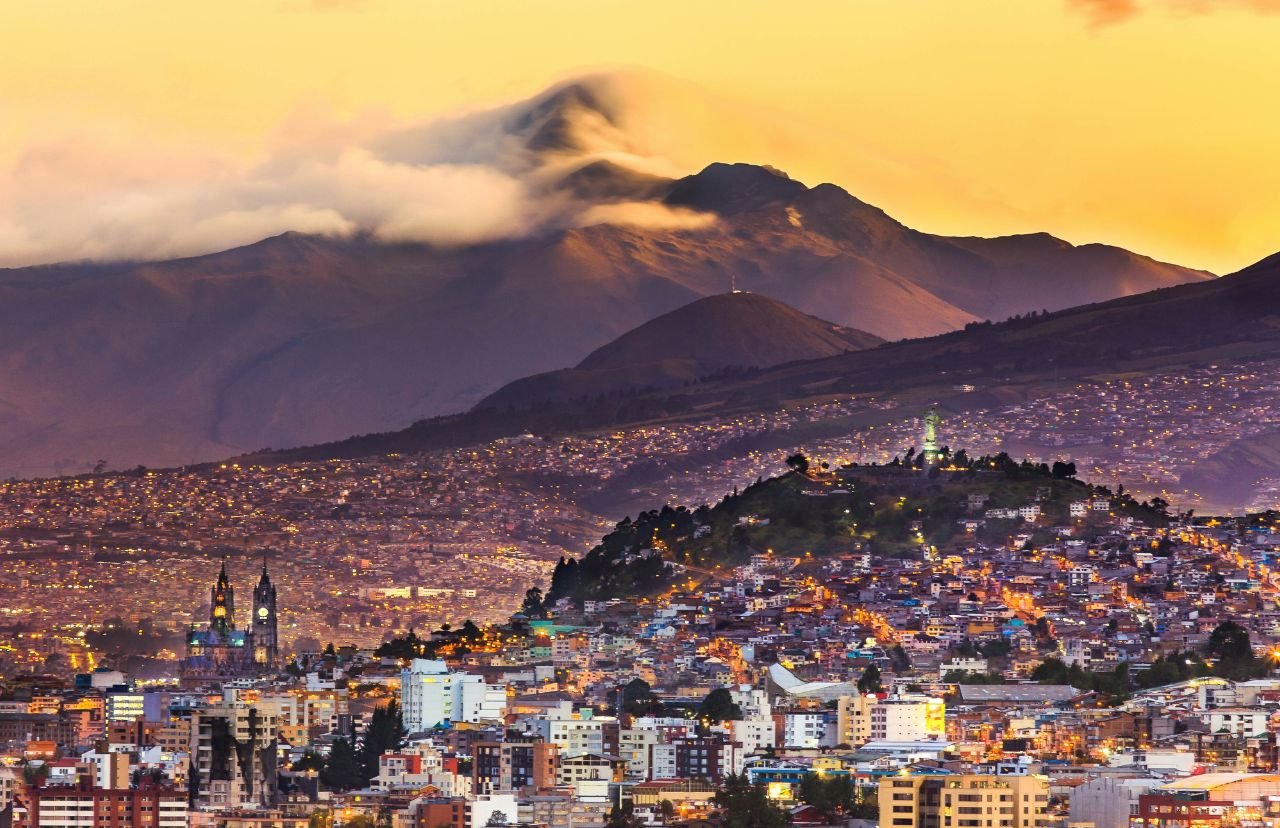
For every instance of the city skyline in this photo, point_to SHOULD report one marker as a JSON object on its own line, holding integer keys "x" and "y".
{"x": 586, "y": 414}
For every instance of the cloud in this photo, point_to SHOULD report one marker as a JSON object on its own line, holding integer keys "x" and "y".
{"x": 469, "y": 178}
{"x": 1106, "y": 12}
{"x": 647, "y": 214}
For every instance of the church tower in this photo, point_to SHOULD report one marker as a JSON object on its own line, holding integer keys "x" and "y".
{"x": 222, "y": 603}
{"x": 264, "y": 637}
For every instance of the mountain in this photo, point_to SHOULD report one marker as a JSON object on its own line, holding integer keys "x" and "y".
{"x": 301, "y": 339}
{"x": 1233, "y": 318}
{"x": 1225, "y": 320}
{"x": 725, "y": 331}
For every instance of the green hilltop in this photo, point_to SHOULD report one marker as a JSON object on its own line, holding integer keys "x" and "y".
{"x": 888, "y": 511}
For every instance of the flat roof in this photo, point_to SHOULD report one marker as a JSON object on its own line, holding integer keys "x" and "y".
{"x": 1017, "y": 692}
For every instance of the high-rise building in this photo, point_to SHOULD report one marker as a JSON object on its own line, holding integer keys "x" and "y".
{"x": 964, "y": 801}
{"x": 84, "y": 805}
{"x": 233, "y": 761}
{"x": 503, "y": 767}
{"x": 124, "y": 706}
{"x": 910, "y": 718}
{"x": 431, "y": 694}
{"x": 704, "y": 757}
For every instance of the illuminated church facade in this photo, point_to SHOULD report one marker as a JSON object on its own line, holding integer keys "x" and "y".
{"x": 219, "y": 650}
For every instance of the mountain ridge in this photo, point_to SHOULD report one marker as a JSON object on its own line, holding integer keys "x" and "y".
{"x": 300, "y": 339}
{"x": 1189, "y": 325}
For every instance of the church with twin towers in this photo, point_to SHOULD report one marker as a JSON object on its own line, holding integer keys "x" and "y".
{"x": 218, "y": 649}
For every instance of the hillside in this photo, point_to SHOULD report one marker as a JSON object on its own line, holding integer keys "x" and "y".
{"x": 304, "y": 339}
{"x": 722, "y": 332}
{"x": 897, "y": 512}
{"x": 1232, "y": 475}
{"x": 1227, "y": 319}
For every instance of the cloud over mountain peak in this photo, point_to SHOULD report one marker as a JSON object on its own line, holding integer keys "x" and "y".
{"x": 467, "y": 178}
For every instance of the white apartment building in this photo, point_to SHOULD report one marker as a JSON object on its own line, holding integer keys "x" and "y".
{"x": 431, "y": 695}
{"x": 808, "y": 730}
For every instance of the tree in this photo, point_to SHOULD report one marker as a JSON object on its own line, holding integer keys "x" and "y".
{"x": 406, "y": 647}
{"x": 1173, "y": 667}
{"x": 342, "y": 770}
{"x": 1113, "y": 684}
{"x": 532, "y": 606}
{"x": 719, "y": 706}
{"x": 831, "y": 797}
{"x": 798, "y": 463}
{"x": 901, "y": 660}
{"x": 638, "y": 698}
{"x": 309, "y": 761}
{"x": 1229, "y": 644}
{"x": 870, "y": 681}
{"x": 971, "y": 677}
{"x": 1230, "y": 641}
{"x": 382, "y": 734}
{"x": 623, "y": 818}
{"x": 744, "y": 805}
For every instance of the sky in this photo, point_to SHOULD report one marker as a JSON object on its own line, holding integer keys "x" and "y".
{"x": 1149, "y": 124}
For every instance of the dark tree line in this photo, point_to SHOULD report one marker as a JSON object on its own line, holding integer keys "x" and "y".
{"x": 353, "y": 766}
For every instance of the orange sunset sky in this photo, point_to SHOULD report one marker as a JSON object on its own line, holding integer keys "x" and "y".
{"x": 1151, "y": 125}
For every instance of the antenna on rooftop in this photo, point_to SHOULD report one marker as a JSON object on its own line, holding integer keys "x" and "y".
{"x": 733, "y": 282}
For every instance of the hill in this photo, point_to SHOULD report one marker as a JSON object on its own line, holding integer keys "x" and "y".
{"x": 718, "y": 333}
{"x": 1227, "y": 319}
{"x": 303, "y": 339}
{"x": 898, "y": 511}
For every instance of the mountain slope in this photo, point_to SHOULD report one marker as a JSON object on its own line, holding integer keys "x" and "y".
{"x": 730, "y": 330}
{"x": 302, "y": 339}
{"x": 1232, "y": 475}
{"x": 725, "y": 331}
{"x": 1233, "y": 318}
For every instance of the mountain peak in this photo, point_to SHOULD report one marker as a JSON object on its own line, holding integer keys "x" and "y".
{"x": 564, "y": 118}
{"x": 737, "y": 330}
{"x": 730, "y": 329}
{"x": 734, "y": 188}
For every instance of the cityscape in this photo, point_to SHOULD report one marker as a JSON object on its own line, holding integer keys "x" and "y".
{"x": 545, "y": 414}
